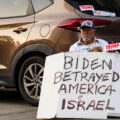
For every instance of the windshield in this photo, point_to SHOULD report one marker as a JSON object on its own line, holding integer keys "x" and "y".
{"x": 97, "y": 7}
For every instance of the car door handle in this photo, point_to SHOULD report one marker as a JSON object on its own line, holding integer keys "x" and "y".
{"x": 19, "y": 30}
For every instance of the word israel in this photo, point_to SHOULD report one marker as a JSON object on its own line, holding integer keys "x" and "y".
{"x": 95, "y": 105}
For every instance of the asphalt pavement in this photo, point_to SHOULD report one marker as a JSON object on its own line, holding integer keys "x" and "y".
{"x": 13, "y": 107}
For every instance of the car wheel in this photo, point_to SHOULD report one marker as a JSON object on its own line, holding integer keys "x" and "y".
{"x": 30, "y": 79}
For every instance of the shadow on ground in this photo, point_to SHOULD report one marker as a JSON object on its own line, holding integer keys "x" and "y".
{"x": 12, "y": 103}
{"x": 10, "y": 96}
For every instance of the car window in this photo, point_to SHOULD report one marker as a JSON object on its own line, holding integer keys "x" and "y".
{"x": 41, "y": 4}
{"x": 13, "y": 8}
{"x": 109, "y": 8}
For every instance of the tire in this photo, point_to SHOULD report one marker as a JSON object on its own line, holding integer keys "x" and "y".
{"x": 30, "y": 79}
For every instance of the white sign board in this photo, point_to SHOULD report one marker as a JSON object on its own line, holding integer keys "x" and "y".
{"x": 80, "y": 85}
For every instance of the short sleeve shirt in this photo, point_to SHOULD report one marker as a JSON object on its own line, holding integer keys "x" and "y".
{"x": 79, "y": 47}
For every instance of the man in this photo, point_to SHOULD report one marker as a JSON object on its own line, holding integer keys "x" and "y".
{"x": 88, "y": 42}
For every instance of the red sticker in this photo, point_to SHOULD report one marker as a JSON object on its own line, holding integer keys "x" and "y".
{"x": 86, "y": 7}
{"x": 115, "y": 46}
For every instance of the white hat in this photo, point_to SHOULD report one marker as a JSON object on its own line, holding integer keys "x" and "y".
{"x": 87, "y": 24}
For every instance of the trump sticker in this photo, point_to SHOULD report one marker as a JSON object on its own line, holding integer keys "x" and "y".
{"x": 86, "y": 7}
{"x": 115, "y": 46}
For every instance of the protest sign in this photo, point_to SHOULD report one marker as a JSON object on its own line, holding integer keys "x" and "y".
{"x": 80, "y": 85}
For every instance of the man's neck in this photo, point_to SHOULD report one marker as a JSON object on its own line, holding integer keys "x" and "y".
{"x": 88, "y": 42}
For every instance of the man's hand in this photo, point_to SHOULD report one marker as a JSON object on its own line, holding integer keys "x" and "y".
{"x": 113, "y": 51}
{"x": 96, "y": 49}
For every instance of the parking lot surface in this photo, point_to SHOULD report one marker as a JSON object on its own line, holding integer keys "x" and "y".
{"x": 13, "y": 107}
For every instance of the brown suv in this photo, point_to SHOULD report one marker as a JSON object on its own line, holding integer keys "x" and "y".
{"x": 30, "y": 30}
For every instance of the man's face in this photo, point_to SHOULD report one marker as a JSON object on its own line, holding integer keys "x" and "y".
{"x": 87, "y": 35}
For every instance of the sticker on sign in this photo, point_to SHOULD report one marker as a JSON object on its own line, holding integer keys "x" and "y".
{"x": 86, "y": 7}
{"x": 115, "y": 46}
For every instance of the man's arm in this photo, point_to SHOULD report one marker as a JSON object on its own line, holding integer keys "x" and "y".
{"x": 96, "y": 49}
{"x": 100, "y": 48}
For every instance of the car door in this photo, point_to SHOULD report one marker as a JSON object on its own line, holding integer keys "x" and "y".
{"x": 16, "y": 21}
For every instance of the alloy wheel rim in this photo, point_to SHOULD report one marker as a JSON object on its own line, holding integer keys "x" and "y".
{"x": 32, "y": 80}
